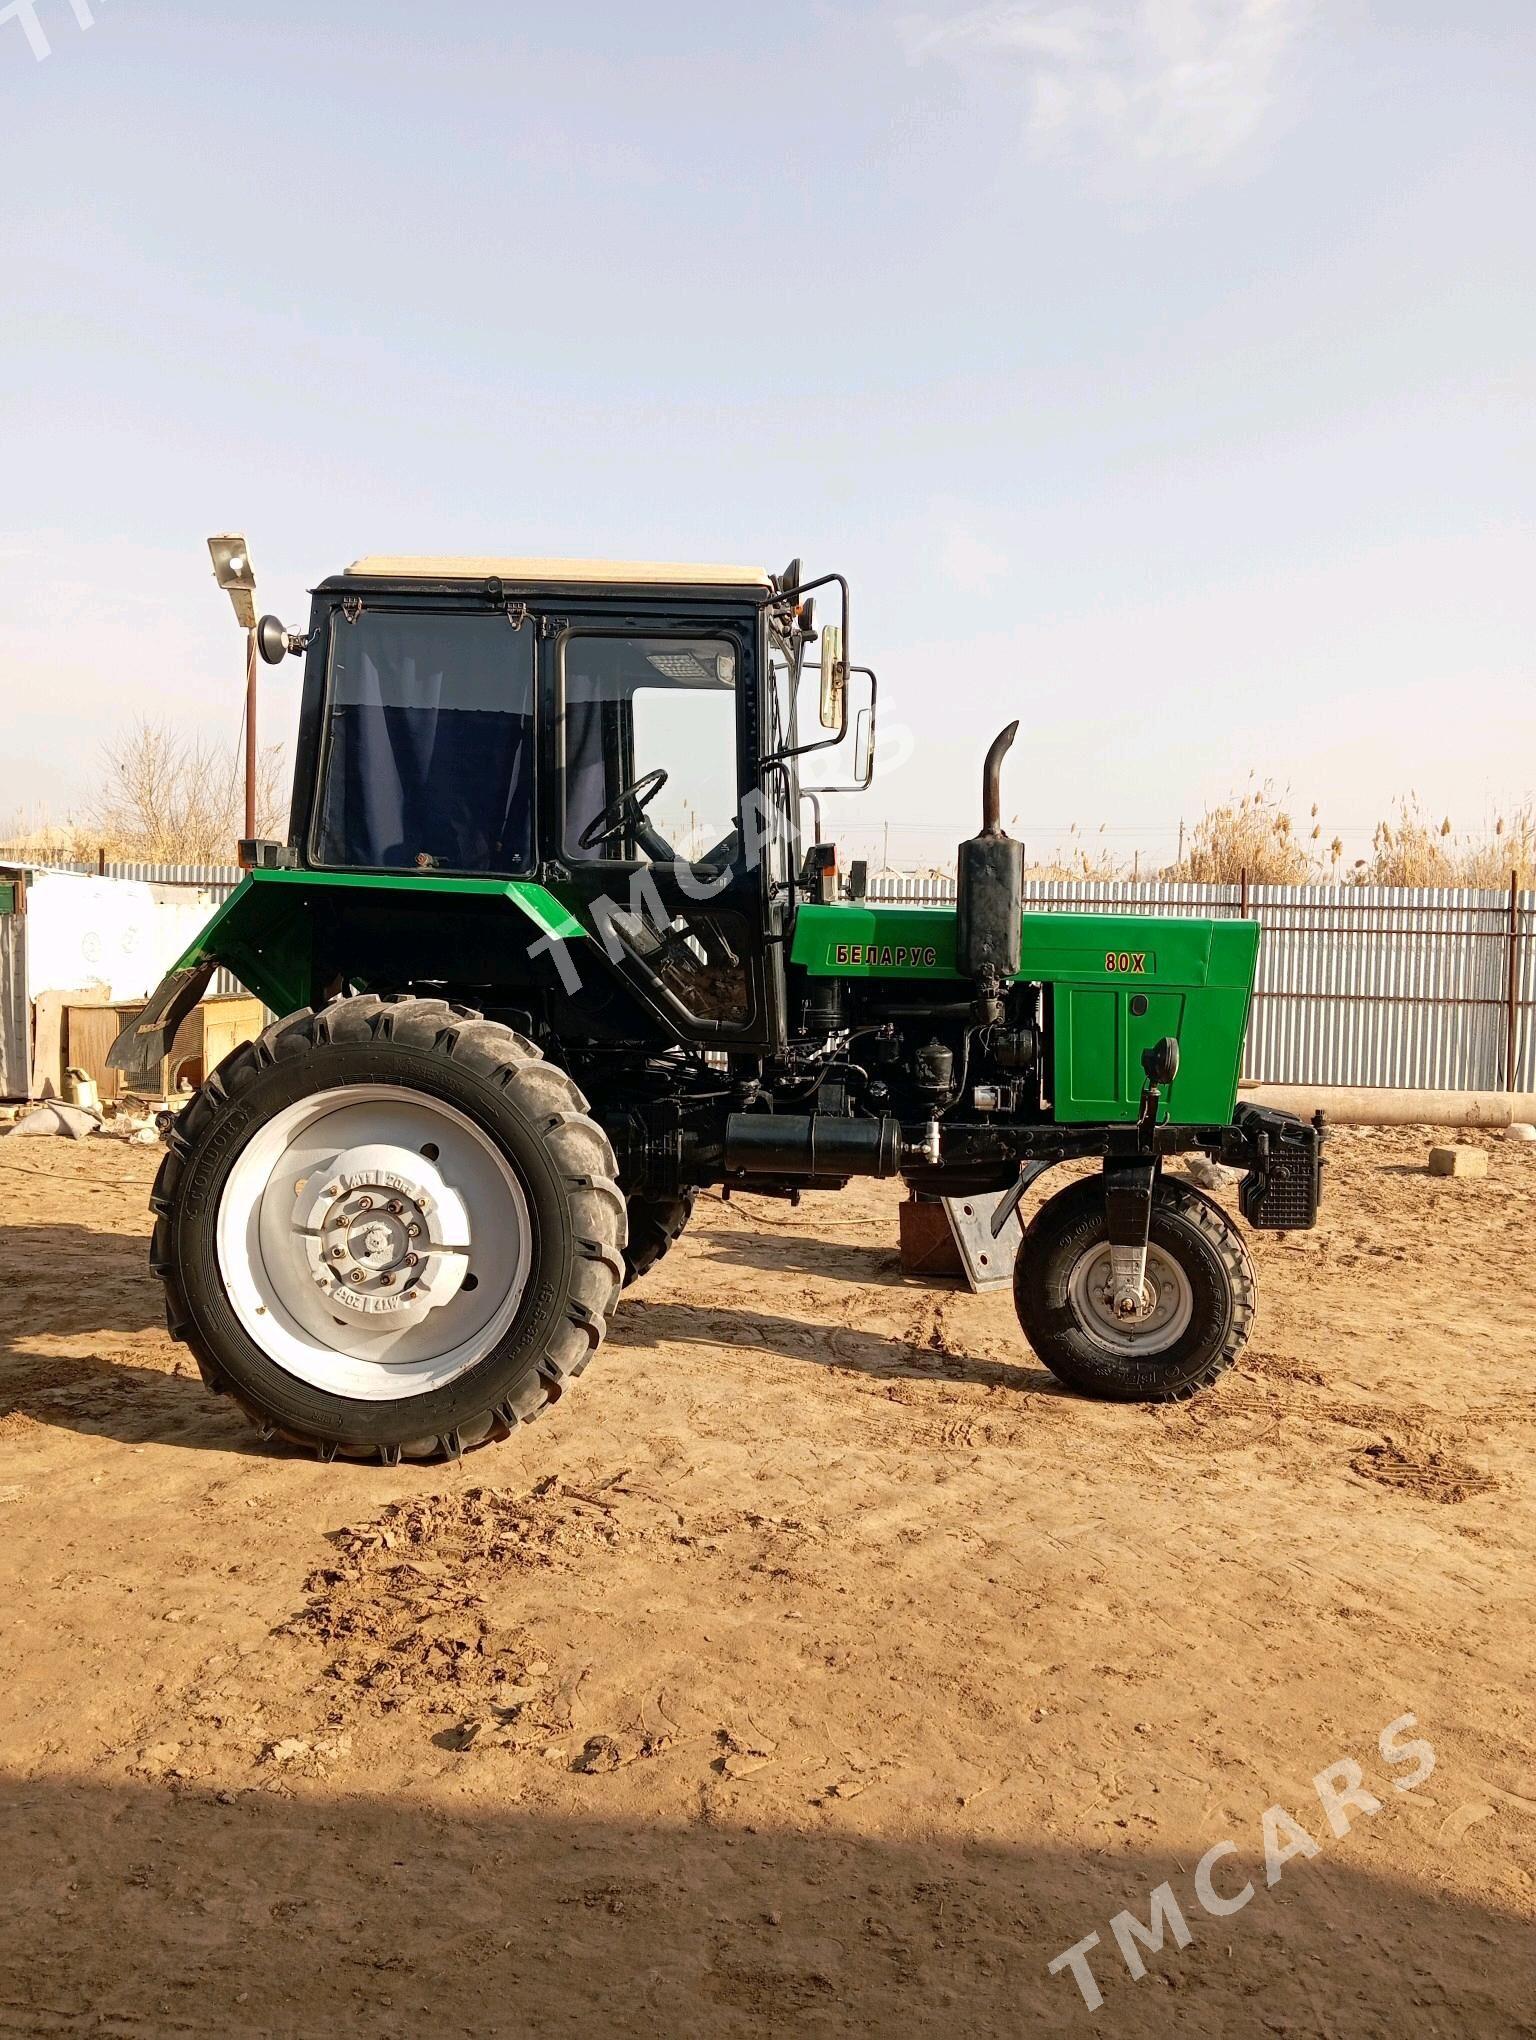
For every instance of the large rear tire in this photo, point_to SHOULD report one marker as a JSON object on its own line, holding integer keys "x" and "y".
{"x": 389, "y": 1229}
{"x": 1200, "y": 1296}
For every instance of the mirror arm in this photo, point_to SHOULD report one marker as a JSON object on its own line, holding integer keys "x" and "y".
{"x": 831, "y": 743}
{"x": 773, "y": 600}
{"x": 776, "y": 596}
{"x": 859, "y": 785}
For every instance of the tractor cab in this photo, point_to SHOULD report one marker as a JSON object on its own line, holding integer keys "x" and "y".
{"x": 628, "y": 737}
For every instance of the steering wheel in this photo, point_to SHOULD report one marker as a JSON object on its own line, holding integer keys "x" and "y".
{"x": 623, "y": 811}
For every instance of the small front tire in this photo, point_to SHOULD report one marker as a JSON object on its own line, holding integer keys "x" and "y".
{"x": 1201, "y": 1294}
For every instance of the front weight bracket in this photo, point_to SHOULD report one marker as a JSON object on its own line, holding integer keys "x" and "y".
{"x": 1127, "y": 1224}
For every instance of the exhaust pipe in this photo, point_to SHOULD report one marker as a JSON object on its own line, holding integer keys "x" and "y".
{"x": 992, "y": 781}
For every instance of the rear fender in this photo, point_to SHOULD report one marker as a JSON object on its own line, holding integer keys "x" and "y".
{"x": 264, "y": 936}
{"x": 145, "y": 1042}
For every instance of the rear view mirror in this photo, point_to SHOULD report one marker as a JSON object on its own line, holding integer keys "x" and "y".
{"x": 276, "y": 644}
{"x": 272, "y": 640}
{"x": 834, "y": 679}
{"x": 863, "y": 745}
{"x": 864, "y": 748}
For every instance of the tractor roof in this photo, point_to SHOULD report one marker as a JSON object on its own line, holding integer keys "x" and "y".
{"x": 563, "y": 573}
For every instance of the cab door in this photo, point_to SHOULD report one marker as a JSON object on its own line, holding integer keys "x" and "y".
{"x": 660, "y": 840}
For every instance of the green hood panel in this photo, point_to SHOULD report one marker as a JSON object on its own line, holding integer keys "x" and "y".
{"x": 263, "y": 933}
{"x": 1119, "y": 983}
{"x": 900, "y": 941}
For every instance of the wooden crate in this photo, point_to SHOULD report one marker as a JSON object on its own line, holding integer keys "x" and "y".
{"x": 202, "y": 1041}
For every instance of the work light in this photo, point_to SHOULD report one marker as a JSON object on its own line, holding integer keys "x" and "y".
{"x": 234, "y": 573}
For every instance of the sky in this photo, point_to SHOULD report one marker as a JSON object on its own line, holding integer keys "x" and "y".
{"x": 1160, "y": 371}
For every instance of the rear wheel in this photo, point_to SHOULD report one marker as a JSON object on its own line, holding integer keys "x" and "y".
{"x": 655, "y": 1226}
{"x": 389, "y": 1228}
{"x": 1198, "y": 1301}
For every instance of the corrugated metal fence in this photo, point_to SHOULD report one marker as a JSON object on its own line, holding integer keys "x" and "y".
{"x": 226, "y": 875}
{"x": 1407, "y": 988}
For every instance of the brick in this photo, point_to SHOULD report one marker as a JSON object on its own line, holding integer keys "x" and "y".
{"x": 928, "y": 1247}
{"x": 1458, "y": 1161}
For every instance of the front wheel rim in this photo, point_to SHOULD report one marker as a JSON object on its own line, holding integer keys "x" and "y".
{"x": 1169, "y": 1296}
{"x": 374, "y": 1242}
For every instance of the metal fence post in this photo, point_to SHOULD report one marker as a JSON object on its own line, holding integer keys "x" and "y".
{"x": 1512, "y": 1037}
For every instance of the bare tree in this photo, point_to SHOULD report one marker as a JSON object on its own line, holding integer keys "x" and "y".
{"x": 172, "y": 799}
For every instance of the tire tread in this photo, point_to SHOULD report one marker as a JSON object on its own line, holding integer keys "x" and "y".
{"x": 1193, "y": 1208}
{"x": 655, "y": 1226}
{"x": 556, "y": 1111}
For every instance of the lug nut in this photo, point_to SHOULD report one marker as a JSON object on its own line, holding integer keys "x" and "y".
{"x": 394, "y": 1207}
{"x": 413, "y": 1232}
{"x": 357, "y": 1275}
{"x": 365, "y": 1204}
{"x": 338, "y": 1253}
{"x": 412, "y": 1260}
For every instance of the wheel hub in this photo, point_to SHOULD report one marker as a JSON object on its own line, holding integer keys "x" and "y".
{"x": 384, "y": 1234}
{"x": 1121, "y": 1319}
{"x": 374, "y": 1241}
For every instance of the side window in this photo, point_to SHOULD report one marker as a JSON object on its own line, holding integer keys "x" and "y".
{"x": 649, "y": 743}
{"x": 430, "y": 744}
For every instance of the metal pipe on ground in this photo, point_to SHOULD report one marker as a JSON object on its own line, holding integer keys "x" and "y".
{"x": 1346, "y": 1106}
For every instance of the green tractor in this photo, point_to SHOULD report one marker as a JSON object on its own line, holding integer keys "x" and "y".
{"x": 551, "y": 955}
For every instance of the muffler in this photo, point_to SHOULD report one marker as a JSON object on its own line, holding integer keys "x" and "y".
{"x": 989, "y": 934}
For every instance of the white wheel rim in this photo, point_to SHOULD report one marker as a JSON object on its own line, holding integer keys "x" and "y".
{"x": 1168, "y": 1300}
{"x": 374, "y": 1242}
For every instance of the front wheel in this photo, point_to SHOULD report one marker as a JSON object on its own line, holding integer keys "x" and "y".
{"x": 1198, "y": 1302}
{"x": 389, "y": 1229}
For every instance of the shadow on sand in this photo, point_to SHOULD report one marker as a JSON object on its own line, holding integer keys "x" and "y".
{"x": 65, "y": 1291}
{"x": 152, "y": 1909}
{"x": 791, "y": 1253}
{"x": 880, "y": 1354}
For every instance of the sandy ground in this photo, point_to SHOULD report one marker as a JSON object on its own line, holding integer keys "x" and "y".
{"x": 815, "y": 1667}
